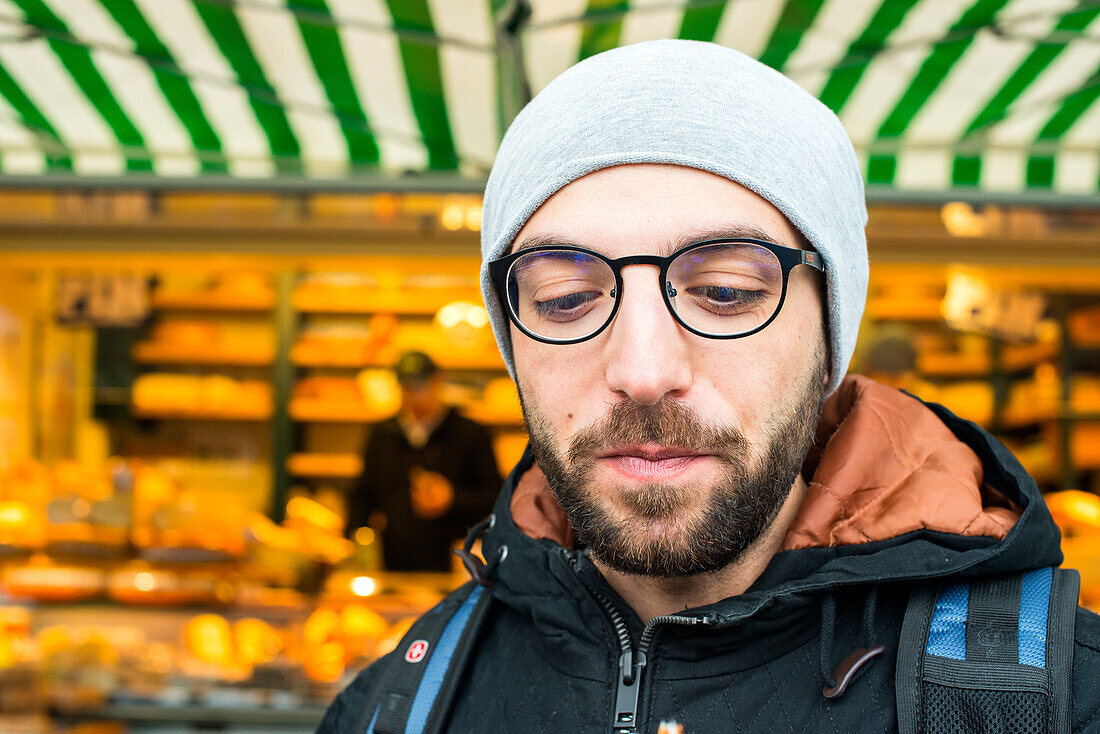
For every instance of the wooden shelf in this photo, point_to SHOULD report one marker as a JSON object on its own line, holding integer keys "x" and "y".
{"x": 307, "y": 714}
{"x": 1017, "y": 357}
{"x": 493, "y": 417}
{"x": 364, "y": 301}
{"x": 312, "y": 410}
{"x": 1020, "y": 419}
{"x": 492, "y": 361}
{"x": 1014, "y": 358}
{"x": 244, "y": 413}
{"x": 351, "y": 360}
{"x": 949, "y": 364}
{"x": 163, "y": 353}
{"x": 344, "y": 466}
{"x": 213, "y": 301}
{"x": 894, "y": 309}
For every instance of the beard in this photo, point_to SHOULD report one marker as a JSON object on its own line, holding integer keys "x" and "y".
{"x": 670, "y": 530}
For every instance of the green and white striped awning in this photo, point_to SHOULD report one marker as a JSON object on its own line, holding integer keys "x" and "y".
{"x": 938, "y": 95}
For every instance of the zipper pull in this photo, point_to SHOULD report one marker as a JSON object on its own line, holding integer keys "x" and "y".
{"x": 631, "y": 666}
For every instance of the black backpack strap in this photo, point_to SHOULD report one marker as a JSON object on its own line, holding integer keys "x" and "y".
{"x": 416, "y": 689}
{"x": 991, "y": 654}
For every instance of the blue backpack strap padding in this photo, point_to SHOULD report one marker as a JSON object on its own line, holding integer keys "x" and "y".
{"x": 418, "y": 685}
{"x": 446, "y": 660}
{"x": 947, "y": 628}
{"x": 990, "y": 654}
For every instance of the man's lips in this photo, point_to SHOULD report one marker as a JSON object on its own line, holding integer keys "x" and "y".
{"x": 651, "y": 452}
{"x": 651, "y": 462}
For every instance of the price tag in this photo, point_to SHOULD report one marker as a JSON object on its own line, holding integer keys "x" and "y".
{"x": 102, "y": 299}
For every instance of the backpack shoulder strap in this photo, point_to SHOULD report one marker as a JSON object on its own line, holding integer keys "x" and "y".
{"x": 989, "y": 654}
{"x": 415, "y": 690}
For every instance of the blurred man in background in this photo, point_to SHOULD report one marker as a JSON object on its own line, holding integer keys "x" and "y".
{"x": 428, "y": 474}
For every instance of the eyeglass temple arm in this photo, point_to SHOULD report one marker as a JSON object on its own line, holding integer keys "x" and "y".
{"x": 812, "y": 259}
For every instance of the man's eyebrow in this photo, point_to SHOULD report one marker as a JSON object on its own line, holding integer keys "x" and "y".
{"x": 725, "y": 232}
{"x": 544, "y": 239}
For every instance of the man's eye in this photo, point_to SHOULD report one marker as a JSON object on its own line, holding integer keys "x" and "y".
{"x": 725, "y": 299}
{"x": 571, "y": 305}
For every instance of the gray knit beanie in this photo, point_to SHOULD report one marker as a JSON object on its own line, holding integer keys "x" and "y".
{"x": 698, "y": 105}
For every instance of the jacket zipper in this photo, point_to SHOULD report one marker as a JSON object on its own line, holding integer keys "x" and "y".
{"x": 631, "y": 662}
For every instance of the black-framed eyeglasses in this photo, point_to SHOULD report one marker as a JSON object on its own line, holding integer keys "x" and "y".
{"x": 721, "y": 289}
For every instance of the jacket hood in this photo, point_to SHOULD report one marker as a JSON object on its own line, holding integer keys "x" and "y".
{"x": 899, "y": 490}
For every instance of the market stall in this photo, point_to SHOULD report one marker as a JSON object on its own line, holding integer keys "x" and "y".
{"x": 221, "y": 224}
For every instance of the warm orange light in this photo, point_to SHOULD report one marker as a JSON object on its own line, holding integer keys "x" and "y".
{"x": 462, "y": 312}
{"x": 14, "y": 513}
{"x": 452, "y": 217}
{"x": 144, "y": 581}
{"x": 363, "y": 586}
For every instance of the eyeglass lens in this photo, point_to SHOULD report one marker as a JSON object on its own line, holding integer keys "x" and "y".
{"x": 724, "y": 289}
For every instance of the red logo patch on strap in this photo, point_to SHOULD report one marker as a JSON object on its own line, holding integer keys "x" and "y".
{"x": 417, "y": 651}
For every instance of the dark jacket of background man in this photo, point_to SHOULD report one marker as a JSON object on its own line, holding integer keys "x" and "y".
{"x": 460, "y": 450}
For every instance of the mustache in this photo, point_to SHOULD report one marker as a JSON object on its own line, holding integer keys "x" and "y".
{"x": 667, "y": 422}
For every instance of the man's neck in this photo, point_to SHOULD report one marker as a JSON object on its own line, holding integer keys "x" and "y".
{"x": 655, "y": 597}
{"x": 418, "y": 429}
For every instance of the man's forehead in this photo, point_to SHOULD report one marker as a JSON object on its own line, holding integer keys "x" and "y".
{"x": 653, "y": 208}
{"x": 664, "y": 245}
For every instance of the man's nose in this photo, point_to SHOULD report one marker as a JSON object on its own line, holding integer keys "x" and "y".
{"x": 647, "y": 349}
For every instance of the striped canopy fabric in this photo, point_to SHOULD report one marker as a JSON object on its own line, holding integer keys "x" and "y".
{"x": 937, "y": 95}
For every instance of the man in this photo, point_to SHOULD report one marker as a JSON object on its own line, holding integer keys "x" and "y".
{"x": 710, "y": 517}
{"x": 430, "y": 471}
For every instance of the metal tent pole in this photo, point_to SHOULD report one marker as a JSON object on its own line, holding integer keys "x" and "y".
{"x": 513, "y": 87}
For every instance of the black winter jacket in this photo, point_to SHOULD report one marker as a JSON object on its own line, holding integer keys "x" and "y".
{"x": 548, "y": 656}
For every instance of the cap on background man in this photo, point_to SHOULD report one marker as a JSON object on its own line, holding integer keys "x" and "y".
{"x": 414, "y": 368}
{"x": 713, "y": 528}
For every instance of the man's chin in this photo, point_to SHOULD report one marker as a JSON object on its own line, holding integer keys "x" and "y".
{"x": 655, "y": 544}
{"x": 647, "y": 509}
{"x": 656, "y": 560}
